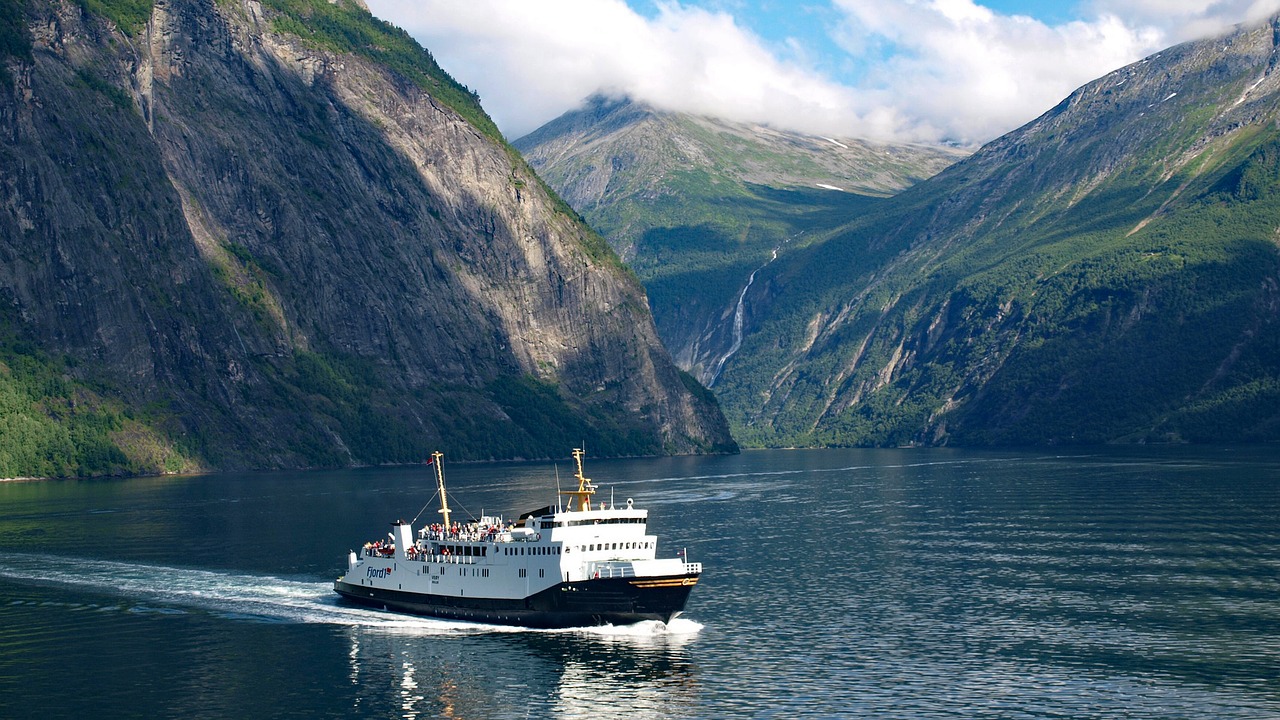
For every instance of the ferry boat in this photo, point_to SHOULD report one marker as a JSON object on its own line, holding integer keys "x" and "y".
{"x": 556, "y": 567}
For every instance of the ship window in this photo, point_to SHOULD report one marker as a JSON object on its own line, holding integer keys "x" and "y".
{"x": 542, "y": 573}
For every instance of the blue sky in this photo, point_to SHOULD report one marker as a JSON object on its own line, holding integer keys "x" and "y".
{"x": 959, "y": 71}
{"x": 779, "y": 22}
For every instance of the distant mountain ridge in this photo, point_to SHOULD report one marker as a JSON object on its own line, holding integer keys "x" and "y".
{"x": 614, "y": 151}
{"x": 243, "y": 234}
{"x": 695, "y": 204}
{"x": 1107, "y": 273}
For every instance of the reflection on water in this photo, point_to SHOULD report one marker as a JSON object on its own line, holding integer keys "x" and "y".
{"x": 641, "y": 671}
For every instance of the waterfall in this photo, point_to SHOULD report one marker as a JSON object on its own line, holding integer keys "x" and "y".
{"x": 737, "y": 321}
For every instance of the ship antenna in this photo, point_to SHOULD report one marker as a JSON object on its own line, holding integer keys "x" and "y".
{"x": 559, "y": 492}
{"x": 438, "y": 457}
{"x": 428, "y": 503}
{"x": 585, "y": 488}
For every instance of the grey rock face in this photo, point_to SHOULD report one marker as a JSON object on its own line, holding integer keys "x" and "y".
{"x": 297, "y": 254}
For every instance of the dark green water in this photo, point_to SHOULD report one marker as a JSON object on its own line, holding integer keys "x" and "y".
{"x": 886, "y": 584}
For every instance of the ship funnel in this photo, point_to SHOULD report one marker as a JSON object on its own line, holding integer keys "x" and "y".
{"x": 404, "y": 539}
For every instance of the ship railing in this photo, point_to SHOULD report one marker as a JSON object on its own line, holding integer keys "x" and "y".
{"x": 692, "y": 568}
{"x": 610, "y": 570}
{"x": 494, "y": 535}
{"x": 422, "y": 557}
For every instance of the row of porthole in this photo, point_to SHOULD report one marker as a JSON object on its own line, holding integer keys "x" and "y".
{"x": 614, "y": 546}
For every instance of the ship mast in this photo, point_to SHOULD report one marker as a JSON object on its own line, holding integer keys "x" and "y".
{"x": 585, "y": 488}
{"x": 438, "y": 457}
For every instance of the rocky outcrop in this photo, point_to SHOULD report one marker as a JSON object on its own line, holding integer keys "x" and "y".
{"x": 294, "y": 254}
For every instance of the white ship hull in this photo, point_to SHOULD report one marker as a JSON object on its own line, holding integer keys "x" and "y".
{"x": 556, "y": 568}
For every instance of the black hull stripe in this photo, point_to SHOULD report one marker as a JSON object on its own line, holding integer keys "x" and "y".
{"x": 615, "y": 601}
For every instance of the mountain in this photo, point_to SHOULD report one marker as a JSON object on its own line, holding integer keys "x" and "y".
{"x": 1107, "y": 273}
{"x": 696, "y": 204}
{"x": 243, "y": 234}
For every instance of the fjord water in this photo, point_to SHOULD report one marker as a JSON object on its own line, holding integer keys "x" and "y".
{"x": 1141, "y": 583}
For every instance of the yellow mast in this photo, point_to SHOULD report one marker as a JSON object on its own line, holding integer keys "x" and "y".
{"x": 585, "y": 488}
{"x": 438, "y": 457}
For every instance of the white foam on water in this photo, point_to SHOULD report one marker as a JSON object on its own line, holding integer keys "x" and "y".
{"x": 262, "y": 598}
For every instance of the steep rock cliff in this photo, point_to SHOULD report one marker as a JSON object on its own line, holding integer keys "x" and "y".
{"x": 276, "y": 242}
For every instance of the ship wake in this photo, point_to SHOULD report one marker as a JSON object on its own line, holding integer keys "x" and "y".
{"x": 142, "y": 588}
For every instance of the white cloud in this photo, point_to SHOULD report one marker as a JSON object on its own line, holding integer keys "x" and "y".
{"x": 966, "y": 73}
{"x": 1180, "y": 20}
{"x": 920, "y": 69}
{"x": 531, "y": 61}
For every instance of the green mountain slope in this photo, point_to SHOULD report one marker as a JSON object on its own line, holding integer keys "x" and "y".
{"x": 1109, "y": 272}
{"x": 696, "y": 204}
{"x": 268, "y": 234}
